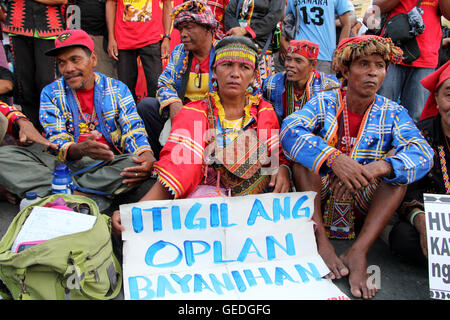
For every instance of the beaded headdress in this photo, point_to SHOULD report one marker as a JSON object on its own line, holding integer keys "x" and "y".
{"x": 352, "y": 48}
{"x": 308, "y": 49}
{"x": 236, "y": 52}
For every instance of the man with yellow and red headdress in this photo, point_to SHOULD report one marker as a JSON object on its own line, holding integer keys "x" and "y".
{"x": 358, "y": 151}
{"x": 288, "y": 91}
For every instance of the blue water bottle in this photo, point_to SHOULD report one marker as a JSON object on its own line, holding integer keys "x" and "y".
{"x": 62, "y": 180}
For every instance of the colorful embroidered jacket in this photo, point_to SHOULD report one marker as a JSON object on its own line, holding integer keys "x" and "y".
{"x": 27, "y": 16}
{"x": 274, "y": 87}
{"x": 181, "y": 166}
{"x": 12, "y": 114}
{"x": 308, "y": 136}
{"x": 169, "y": 82}
{"x": 114, "y": 105}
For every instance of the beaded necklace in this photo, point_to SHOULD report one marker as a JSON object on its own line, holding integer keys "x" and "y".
{"x": 444, "y": 166}
{"x": 346, "y": 128}
{"x": 294, "y": 101}
{"x": 89, "y": 123}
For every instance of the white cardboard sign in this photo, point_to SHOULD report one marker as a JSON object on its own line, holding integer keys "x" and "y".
{"x": 437, "y": 217}
{"x": 251, "y": 247}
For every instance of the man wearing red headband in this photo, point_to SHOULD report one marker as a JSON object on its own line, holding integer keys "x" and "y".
{"x": 358, "y": 151}
{"x": 288, "y": 91}
{"x": 409, "y": 237}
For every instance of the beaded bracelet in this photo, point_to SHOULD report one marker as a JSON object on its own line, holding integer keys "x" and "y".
{"x": 333, "y": 157}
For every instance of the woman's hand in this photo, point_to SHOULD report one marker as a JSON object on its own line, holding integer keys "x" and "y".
{"x": 117, "y": 227}
{"x": 237, "y": 31}
{"x": 420, "y": 225}
{"x": 280, "y": 181}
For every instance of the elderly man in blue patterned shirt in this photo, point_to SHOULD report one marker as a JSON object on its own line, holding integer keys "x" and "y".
{"x": 93, "y": 121}
{"x": 358, "y": 151}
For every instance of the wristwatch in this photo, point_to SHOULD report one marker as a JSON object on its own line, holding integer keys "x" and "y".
{"x": 167, "y": 36}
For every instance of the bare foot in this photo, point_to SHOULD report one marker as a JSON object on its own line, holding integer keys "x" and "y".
{"x": 357, "y": 263}
{"x": 336, "y": 266}
{"x": 6, "y": 195}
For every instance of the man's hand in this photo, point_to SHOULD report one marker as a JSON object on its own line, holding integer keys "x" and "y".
{"x": 138, "y": 174}
{"x": 174, "y": 108}
{"x": 284, "y": 44}
{"x": 165, "y": 48}
{"x": 334, "y": 65}
{"x": 237, "y": 31}
{"x": 351, "y": 175}
{"x": 90, "y": 148}
{"x": 446, "y": 42}
{"x": 29, "y": 134}
{"x": 113, "y": 51}
{"x": 378, "y": 169}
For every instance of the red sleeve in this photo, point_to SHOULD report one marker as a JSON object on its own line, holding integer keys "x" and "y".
{"x": 180, "y": 167}
{"x": 12, "y": 114}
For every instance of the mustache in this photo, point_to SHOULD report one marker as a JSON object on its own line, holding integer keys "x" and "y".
{"x": 71, "y": 75}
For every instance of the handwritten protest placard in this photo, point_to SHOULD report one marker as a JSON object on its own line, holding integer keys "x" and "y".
{"x": 437, "y": 217}
{"x": 252, "y": 247}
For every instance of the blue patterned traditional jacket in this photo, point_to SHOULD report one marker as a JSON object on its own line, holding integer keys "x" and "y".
{"x": 118, "y": 120}
{"x": 274, "y": 86}
{"x": 169, "y": 82}
{"x": 308, "y": 136}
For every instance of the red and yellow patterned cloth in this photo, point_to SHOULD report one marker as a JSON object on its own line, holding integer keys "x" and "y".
{"x": 12, "y": 114}
{"x": 308, "y": 49}
{"x": 182, "y": 160}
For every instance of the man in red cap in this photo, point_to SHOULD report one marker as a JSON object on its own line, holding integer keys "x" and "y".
{"x": 358, "y": 151}
{"x": 288, "y": 91}
{"x": 92, "y": 120}
{"x": 409, "y": 236}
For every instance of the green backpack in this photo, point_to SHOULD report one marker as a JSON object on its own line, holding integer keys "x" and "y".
{"x": 76, "y": 266}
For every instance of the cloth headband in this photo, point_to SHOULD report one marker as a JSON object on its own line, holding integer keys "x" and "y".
{"x": 432, "y": 82}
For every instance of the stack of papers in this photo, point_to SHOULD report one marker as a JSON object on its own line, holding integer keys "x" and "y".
{"x": 48, "y": 223}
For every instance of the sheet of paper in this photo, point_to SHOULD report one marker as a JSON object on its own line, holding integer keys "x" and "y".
{"x": 48, "y": 223}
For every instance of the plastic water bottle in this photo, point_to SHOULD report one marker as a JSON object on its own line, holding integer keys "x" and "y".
{"x": 30, "y": 198}
{"x": 62, "y": 180}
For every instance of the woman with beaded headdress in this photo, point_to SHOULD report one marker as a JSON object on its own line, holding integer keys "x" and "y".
{"x": 226, "y": 144}
{"x": 256, "y": 19}
{"x": 358, "y": 151}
